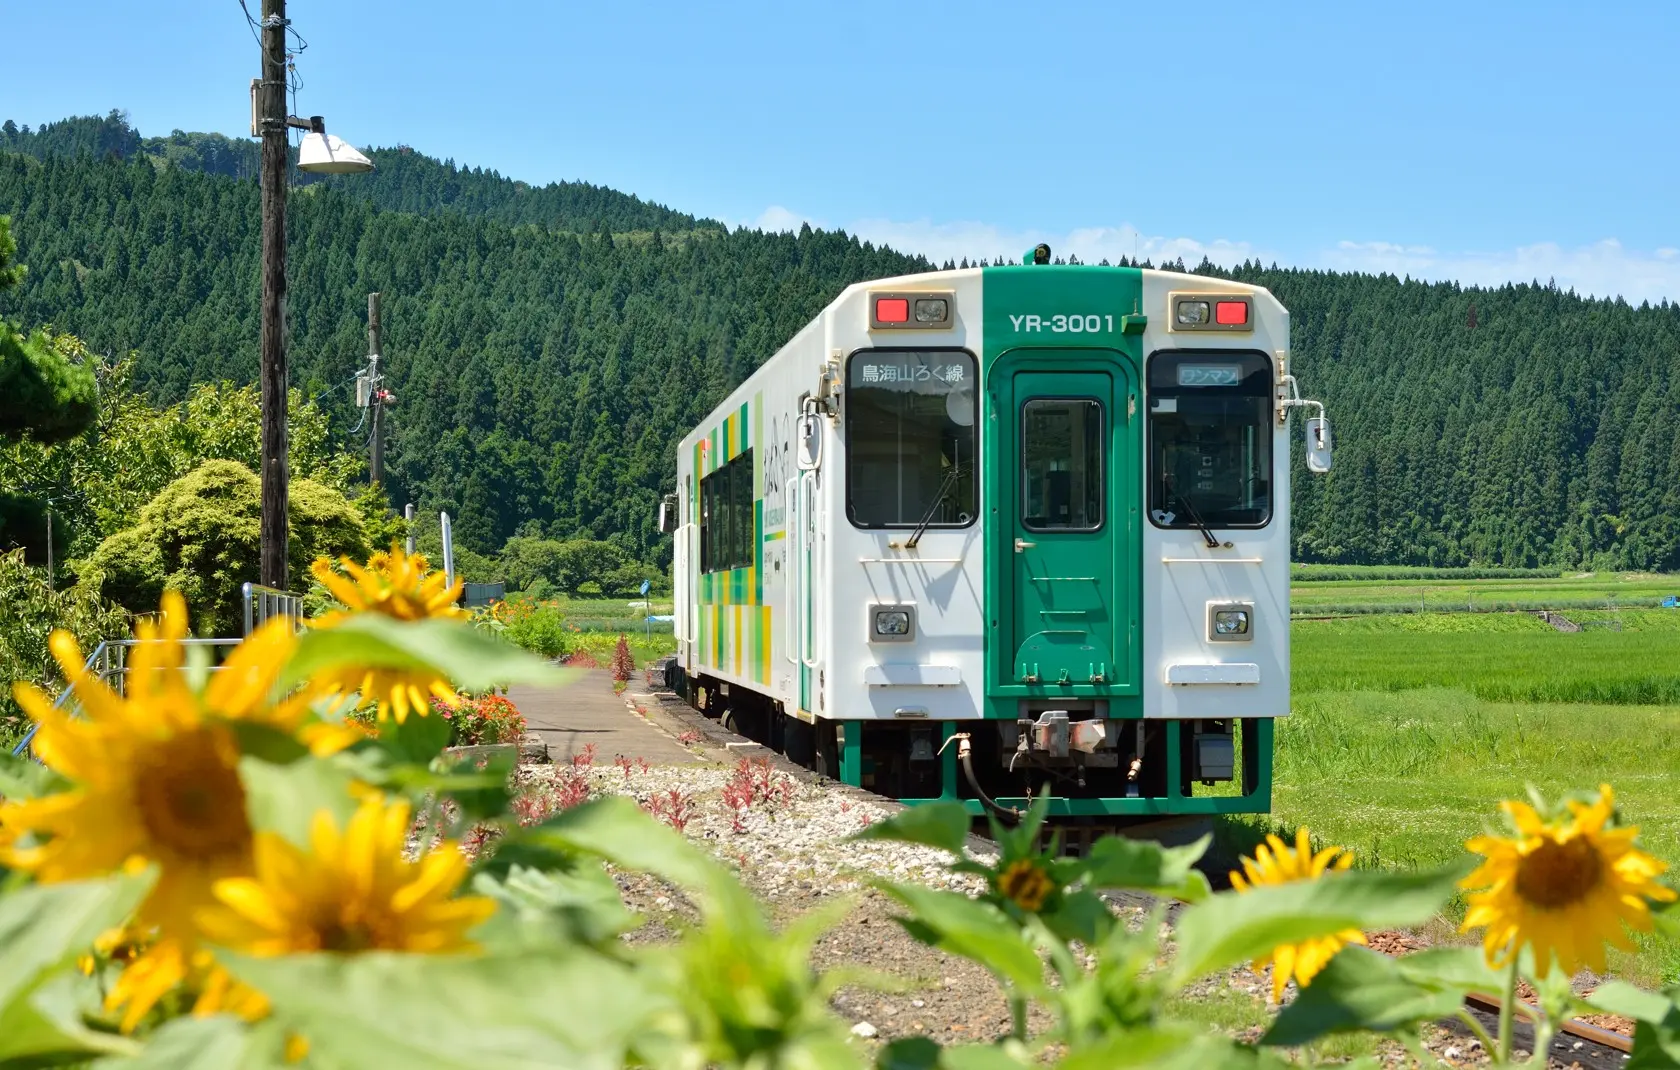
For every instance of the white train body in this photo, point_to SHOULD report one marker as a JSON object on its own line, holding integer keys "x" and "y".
{"x": 1062, "y": 500}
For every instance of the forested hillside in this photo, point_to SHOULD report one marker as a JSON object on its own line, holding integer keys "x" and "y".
{"x": 403, "y": 180}
{"x": 546, "y": 358}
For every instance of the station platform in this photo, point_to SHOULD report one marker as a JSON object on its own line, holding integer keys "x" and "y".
{"x": 585, "y": 710}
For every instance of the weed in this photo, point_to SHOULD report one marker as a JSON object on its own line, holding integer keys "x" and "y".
{"x": 674, "y": 807}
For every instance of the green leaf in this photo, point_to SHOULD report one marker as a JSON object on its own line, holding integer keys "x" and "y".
{"x": 974, "y": 929}
{"x": 1079, "y": 915}
{"x": 48, "y": 1026}
{"x": 577, "y": 905}
{"x": 1169, "y": 1048}
{"x": 481, "y": 794}
{"x": 943, "y": 825}
{"x": 1118, "y": 862}
{"x": 472, "y": 659}
{"x": 1361, "y": 990}
{"x": 417, "y": 740}
{"x": 1656, "y": 1036}
{"x": 285, "y": 798}
{"x": 545, "y": 1007}
{"x": 24, "y": 778}
{"x": 1619, "y": 997}
{"x": 617, "y": 830}
{"x": 923, "y": 1053}
{"x": 219, "y": 1042}
{"x": 268, "y": 743}
{"x": 43, "y": 928}
{"x": 1235, "y": 927}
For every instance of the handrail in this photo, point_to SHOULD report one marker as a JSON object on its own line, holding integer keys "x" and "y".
{"x": 262, "y": 603}
{"x": 110, "y": 660}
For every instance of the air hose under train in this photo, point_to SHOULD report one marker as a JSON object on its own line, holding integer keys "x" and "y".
{"x": 964, "y": 752}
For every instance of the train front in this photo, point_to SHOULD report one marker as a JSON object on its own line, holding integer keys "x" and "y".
{"x": 1131, "y": 459}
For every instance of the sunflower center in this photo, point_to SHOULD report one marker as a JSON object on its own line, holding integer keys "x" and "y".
{"x": 346, "y": 938}
{"x": 1557, "y": 874}
{"x": 190, "y": 798}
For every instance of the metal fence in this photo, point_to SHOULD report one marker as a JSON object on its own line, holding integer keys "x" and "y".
{"x": 109, "y": 662}
{"x": 264, "y": 603}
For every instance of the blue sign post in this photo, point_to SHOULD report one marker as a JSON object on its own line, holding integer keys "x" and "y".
{"x": 647, "y": 609}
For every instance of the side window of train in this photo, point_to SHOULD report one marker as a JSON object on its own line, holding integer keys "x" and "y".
{"x": 726, "y": 516}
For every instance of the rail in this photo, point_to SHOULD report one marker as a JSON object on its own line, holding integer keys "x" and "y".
{"x": 109, "y": 662}
{"x": 263, "y": 603}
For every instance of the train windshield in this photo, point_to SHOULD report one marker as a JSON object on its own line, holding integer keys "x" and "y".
{"x": 1210, "y": 440}
{"x": 911, "y": 438}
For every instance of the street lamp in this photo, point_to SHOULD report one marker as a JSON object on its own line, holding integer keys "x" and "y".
{"x": 320, "y": 153}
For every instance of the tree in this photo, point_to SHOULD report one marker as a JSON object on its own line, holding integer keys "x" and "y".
{"x": 45, "y": 396}
{"x": 201, "y": 535}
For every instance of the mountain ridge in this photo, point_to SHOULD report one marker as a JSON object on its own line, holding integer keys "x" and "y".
{"x": 545, "y": 375}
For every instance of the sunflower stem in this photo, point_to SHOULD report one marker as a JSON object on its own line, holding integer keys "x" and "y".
{"x": 1507, "y": 1014}
{"x": 1018, "y": 1015}
{"x": 1476, "y": 1028}
{"x": 1424, "y": 1057}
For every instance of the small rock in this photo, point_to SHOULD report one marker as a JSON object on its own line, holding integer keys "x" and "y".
{"x": 1577, "y": 1046}
{"x": 864, "y": 1030}
{"x": 1451, "y": 1053}
{"x": 918, "y": 1003}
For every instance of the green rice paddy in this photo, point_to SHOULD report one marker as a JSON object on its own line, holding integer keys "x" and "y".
{"x": 1409, "y": 728}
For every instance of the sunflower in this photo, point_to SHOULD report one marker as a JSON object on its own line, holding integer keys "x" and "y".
{"x": 1025, "y": 883}
{"x": 153, "y": 779}
{"x": 1564, "y": 887}
{"x": 397, "y": 585}
{"x": 353, "y": 891}
{"x": 1275, "y": 862}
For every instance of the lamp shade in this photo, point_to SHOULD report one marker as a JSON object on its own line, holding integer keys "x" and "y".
{"x": 327, "y": 154}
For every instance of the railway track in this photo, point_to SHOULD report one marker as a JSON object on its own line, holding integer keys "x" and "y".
{"x": 1601, "y": 1048}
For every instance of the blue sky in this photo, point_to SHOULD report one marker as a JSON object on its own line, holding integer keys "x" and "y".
{"x": 1480, "y": 141}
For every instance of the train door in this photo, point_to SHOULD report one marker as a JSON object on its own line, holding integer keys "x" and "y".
{"x": 1062, "y": 458}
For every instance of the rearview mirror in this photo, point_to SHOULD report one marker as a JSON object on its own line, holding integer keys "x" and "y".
{"x": 1318, "y": 444}
{"x": 668, "y": 515}
{"x": 810, "y": 442}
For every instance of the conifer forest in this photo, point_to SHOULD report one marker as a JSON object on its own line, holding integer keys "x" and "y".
{"x": 548, "y": 347}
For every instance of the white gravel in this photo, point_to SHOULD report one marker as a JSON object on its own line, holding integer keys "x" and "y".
{"x": 797, "y": 841}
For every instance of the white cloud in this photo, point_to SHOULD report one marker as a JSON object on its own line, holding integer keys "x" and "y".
{"x": 1602, "y": 269}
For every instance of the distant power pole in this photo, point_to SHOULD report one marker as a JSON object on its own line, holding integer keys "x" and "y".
{"x": 376, "y": 460}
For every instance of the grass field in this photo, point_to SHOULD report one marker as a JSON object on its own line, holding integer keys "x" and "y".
{"x": 1408, "y": 730}
{"x": 1449, "y": 591}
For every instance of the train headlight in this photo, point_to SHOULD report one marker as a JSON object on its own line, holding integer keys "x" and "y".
{"x": 1230, "y": 622}
{"x": 1193, "y": 313}
{"x": 892, "y": 624}
{"x": 932, "y": 310}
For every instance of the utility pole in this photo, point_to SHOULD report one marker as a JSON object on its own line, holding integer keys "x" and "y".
{"x": 272, "y": 97}
{"x": 376, "y": 461}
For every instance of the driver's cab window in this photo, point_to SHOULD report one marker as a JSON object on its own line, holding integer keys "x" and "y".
{"x": 1210, "y": 439}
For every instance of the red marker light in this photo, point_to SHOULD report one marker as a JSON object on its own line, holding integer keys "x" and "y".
{"x": 892, "y": 310}
{"x": 1231, "y": 313}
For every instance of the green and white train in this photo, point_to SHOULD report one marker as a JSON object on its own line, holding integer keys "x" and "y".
{"x": 971, "y": 533}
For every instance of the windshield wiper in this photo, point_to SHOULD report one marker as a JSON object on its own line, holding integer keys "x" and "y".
{"x": 1195, "y": 517}
{"x": 938, "y": 500}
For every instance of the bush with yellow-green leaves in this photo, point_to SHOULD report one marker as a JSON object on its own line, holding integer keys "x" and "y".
{"x": 218, "y": 869}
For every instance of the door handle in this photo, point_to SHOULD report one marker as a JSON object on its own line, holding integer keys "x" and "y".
{"x": 1022, "y": 544}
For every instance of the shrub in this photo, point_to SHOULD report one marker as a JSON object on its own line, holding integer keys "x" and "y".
{"x": 201, "y": 536}
{"x": 539, "y": 628}
{"x": 486, "y": 720}
{"x": 31, "y": 612}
